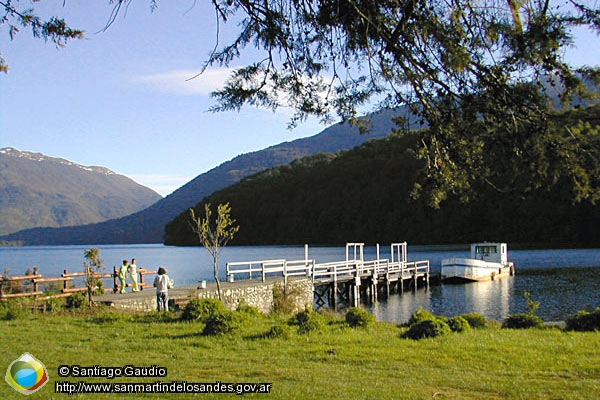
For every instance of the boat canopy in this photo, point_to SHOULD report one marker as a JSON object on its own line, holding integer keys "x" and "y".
{"x": 490, "y": 252}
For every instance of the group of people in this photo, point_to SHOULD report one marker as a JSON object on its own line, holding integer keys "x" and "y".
{"x": 128, "y": 268}
{"x": 162, "y": 282}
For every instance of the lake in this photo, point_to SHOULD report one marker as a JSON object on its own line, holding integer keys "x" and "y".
{"x": 562, "y": 280}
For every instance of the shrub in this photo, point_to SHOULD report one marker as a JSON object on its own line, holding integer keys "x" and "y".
{"x": 427, "y": 328}
{"x": 308, "y": 321}
{"x": 77, "y": 300}
{"x": 277, "y": 331}
{"x": 202, "y": 309}
{"x": 220, "y": 323}
{"x": 246, "y": 314}
{"x": 458, "y": 324}
{"x": 532, "y": 305}
{"x": 99, "y": 287}
{"x": 284, "y": 298}
{"x": 522, "y": 321}
{"x": 53, "y": 304}
{"x": 13, "y": 309}
{"x": 584, "y": 321}
{"x": 249, "y": 310}
{"x": 359, "y": 317}
{"x": 421, "y": 315}
{"x": 475, "y": 320}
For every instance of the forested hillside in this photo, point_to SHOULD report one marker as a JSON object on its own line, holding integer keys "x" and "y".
{"x": 365, "y": 195}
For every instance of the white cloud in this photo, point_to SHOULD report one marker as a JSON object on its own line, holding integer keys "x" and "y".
{"x": 185, "y": 82}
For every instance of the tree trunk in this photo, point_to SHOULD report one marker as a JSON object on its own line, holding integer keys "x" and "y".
{"x": 216, "y": 268}
{"x": 90, "y": 294}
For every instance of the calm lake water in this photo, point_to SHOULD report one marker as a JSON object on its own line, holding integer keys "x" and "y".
{"x": 562, "y": 280}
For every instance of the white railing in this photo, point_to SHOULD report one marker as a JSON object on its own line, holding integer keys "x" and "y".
{"x": 264, "y": 268}
{"x": 419, "y": 267}
{"x": 248, "y": 268}
{"x": 325, "y": 272}
{"x": 334, "y": 271}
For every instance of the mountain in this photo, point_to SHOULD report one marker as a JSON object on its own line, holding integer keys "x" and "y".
{"x": 364, "y": 195}
{"x": 147, "y": 226}
{"x": 41, "y": 191}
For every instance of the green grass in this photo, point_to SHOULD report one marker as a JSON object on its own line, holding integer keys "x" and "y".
{"x": 335, "y": 362}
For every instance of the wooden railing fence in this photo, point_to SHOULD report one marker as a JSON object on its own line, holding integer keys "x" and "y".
{"x": 31, "y": 285}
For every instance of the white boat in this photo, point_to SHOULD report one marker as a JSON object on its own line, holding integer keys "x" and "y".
{"x": 489, "y": 261}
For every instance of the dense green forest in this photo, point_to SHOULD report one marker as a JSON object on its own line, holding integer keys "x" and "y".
{"x": 365, "y": 195}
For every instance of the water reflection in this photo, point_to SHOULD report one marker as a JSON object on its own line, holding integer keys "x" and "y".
{"x": 558, "y": 290}
{"x": 491, "y": 299}
{"x": 561, "y": 293}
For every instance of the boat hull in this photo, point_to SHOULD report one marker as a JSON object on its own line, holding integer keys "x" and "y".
{"x": 468, "y": 269}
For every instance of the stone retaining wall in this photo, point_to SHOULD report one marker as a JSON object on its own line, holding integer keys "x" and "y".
{"x": 298, "y": 294}
{"x": 146, "y": 303}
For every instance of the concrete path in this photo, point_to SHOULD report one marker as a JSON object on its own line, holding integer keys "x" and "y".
{"x": 145, "y": 300}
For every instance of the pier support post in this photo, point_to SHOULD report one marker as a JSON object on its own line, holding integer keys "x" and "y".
{"x": 387, "y": 284}
{"x": 401, "y": 284}
{"x": 333, "y": 295}
{"x": 356, "y": 299}
{"x": 374, "y": 282}
{"x": 415, "y": 280}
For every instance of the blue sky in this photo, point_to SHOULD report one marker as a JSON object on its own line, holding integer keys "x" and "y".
{"x": 120, "y": 99}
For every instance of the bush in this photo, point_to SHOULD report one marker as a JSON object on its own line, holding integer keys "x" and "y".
{"x": 99, "y": 289}
{"x": 359, "y": 317}
{"x": 427, "y": 328}
{"x": 77, "y": 300}
{"x": 246, "y": 314}
{"x": 53, "y": 304}
{"x": 458, "y": 324}
{"x": 475, "y": 320}
{"x": 277, "y": 331}
{"x": 308, "y": 321}
{"x": 249, "y": 310}
{"x": 202, "y": 309}
{"x": 13, "y": 309}
{"x": 522, "y": 321}
{"x": 421, "y": 315}
{"x": 220, "y": 323}
{"x": 284, "y": 298}
{"x": 584, "y": 321}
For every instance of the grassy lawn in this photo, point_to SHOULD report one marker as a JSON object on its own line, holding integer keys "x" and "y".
{"x": 335, "y": 362}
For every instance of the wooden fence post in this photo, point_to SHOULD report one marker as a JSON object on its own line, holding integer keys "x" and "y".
{"x": 116, "y": 286}
{"x": 141, "y": 278}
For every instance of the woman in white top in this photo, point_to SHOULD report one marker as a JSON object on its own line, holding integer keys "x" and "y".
{"x": 134, "y": 275}
{"x": 162, "y": 283}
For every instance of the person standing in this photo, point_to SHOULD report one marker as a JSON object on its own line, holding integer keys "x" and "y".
{"x": 134, "y": 276}
{"x": 122, "y": 275}
{"x": 162, "y": 283}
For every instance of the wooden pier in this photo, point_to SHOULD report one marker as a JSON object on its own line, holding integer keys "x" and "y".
{"x": 342, "y": 283}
